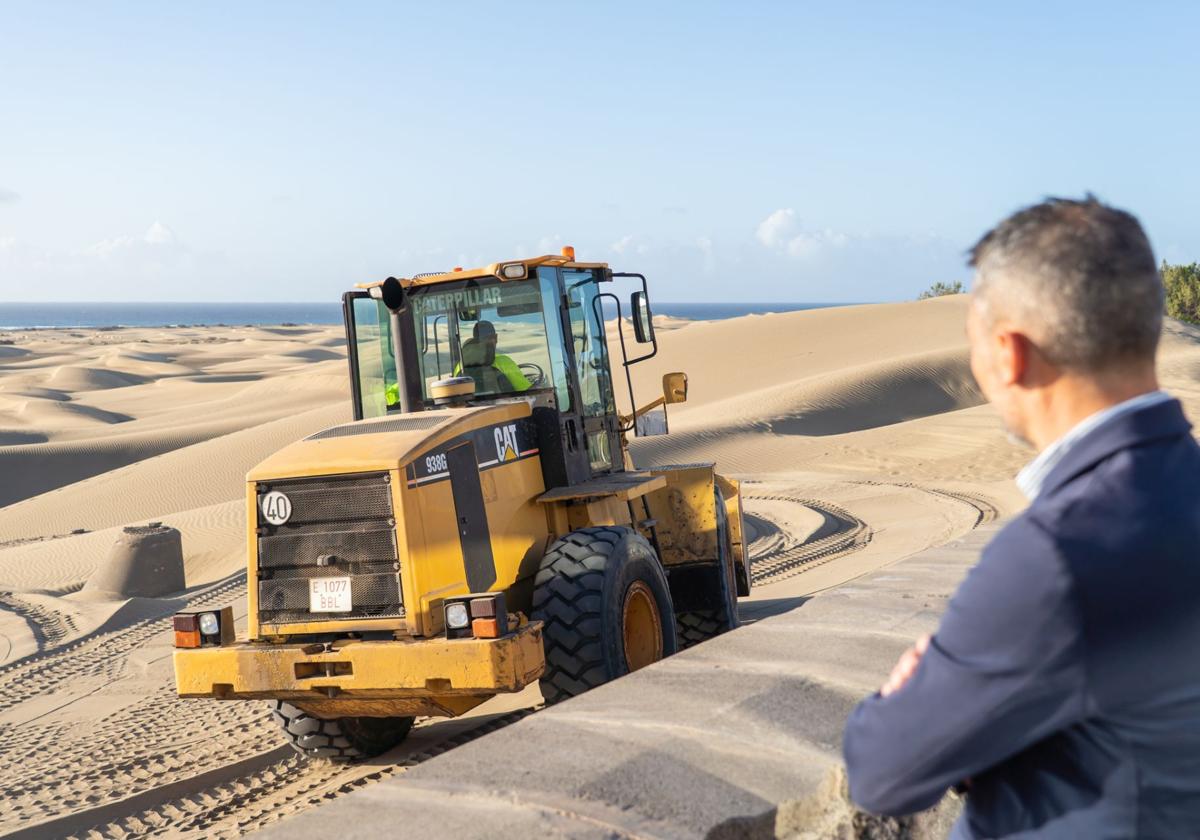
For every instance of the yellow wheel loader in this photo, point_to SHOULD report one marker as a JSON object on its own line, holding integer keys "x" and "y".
{"x": 479, "y": 526}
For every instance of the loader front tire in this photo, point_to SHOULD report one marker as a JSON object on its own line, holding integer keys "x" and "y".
{"x": 340, "y": 739}
{"x": 605, "y": 607}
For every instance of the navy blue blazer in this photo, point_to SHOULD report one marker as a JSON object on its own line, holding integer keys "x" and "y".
{"x": 1064, "y": 679}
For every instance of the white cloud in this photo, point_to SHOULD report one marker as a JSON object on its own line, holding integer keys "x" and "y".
{"x": 781, "y": 231}
{"x": 631, "y": 244}
{"x": 709, "y": 260}
{"x": 159, "y": 234}
{"x": 157, "y": 237}
{"x": 121, "y": 266}
{"x": 8, "y": 196}
{"x": 809, "y": 244}
{"x": 622, "y": 244}
{"x": 550, "y": 244}
{"x": 774, "y": 229}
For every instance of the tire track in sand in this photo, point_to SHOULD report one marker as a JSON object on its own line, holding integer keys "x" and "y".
{"x": 240, "y": 797}
{"x": 841, "y": 534}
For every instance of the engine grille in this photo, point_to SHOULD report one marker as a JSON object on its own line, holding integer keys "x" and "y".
{"x": 349, "y": 521}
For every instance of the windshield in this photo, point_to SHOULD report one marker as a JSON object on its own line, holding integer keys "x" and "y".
{"x": 507, "y": 336}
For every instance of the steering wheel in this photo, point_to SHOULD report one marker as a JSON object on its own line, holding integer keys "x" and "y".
{"x": 538, "y": 377}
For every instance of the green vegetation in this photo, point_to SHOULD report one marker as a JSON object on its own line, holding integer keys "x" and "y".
{"x": 1183, "y": 291}
{"x": 939, "y": 289}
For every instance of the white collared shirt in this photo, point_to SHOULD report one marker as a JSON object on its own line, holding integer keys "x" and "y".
{"x": 1031, "y": 478}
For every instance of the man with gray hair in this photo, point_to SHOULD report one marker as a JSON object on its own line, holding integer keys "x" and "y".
{"x": 1061, "y": 690}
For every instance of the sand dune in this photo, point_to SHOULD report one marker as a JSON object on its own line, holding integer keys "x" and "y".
{"x": 883, "y": 394}
{"x": 39, "y": 393}
{"x": 11, "y": 437}
{"x": 145, "y": 365}
{"x": 75, "y": 404}
{"x": 34, "y": 468}
{"x": 745, "y": 355}
{"x": 315, "y": 354}
{"x": 847, "y": 400}
{"x": 213, "y": 545}
{"x": 201, "y": 474}
{"x": 61, "y": 412}
{"x": 73, "y": 378}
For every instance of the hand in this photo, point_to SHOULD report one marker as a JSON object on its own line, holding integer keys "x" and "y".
{"x": 906, "y": 666}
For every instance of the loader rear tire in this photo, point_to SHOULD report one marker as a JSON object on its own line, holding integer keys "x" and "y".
{"x": 340, "y": 739}
{"x": 605, "y": 607}
{"x": 697, "y": 626}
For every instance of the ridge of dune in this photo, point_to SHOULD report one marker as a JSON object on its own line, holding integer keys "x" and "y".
{"x": 744, "y": 355}
{"x": 38, "y": 393}
{"x": 852, "y": 399}
{"x": 192, "y": 476}
{"x": 75, "y": 404}
{"x": 58, "y": 412}
{"x": 77, "y": 378}
{"x": 127, "y": 364}
{"x": 38, "y": 468}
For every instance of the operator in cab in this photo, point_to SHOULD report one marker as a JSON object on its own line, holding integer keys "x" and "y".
{"x": 493, "y": 372}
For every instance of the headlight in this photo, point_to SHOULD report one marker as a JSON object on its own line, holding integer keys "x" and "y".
{"x": 209, "y": 626}
{"x": 203, "y": 628}
{"x": 457, "y": 616}
{"x": 481, "y": 616}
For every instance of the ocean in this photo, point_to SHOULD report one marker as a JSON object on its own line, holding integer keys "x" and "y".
{"x": 43, "y": 315}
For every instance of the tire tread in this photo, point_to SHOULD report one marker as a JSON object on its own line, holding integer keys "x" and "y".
{"x": 568, "y": 600}
{"x": 338, "y": 740}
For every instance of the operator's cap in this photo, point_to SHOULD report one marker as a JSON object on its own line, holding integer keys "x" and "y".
{"x": 485, "y": 329}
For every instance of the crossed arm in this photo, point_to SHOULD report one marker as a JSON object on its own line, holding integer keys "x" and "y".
{"x": 1003, "y": 671}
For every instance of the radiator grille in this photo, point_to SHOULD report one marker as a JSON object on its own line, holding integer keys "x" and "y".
{"x": 340, "y": 526}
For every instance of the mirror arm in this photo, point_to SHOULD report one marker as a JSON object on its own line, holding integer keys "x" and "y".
{"x": 629, "y": 418}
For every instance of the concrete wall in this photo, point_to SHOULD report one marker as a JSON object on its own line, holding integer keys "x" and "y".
{"x": 739, "y": 737}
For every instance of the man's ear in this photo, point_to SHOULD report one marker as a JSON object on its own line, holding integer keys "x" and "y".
{"x": 1012, "y": 356}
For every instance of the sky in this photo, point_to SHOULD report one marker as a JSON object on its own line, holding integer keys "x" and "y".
{"x": 752, "y": 151}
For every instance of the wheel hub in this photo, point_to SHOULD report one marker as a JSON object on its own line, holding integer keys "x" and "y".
{"x": 641, "y": 627}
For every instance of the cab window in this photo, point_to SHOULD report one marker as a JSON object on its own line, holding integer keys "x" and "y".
{"x": 376, "y": 364}
{"x": 491, "y": 331}
{"x": 591, "y": 364}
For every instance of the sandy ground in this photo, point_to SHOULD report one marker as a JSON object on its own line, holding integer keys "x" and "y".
{"x": 857, "y": 432}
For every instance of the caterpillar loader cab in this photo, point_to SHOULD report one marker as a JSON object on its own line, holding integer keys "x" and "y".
{"x": 481, "y": 524}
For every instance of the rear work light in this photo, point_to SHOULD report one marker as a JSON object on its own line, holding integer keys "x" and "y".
{"x": 203, "y": 628}
{"x": 481, "y": 616}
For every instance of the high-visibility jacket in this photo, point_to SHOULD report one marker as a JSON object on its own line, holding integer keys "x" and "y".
{"x": 507, "y": 368}
{"x": 504, "y": 365}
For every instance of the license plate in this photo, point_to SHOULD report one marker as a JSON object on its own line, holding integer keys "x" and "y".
{"x": 330, "y": 594}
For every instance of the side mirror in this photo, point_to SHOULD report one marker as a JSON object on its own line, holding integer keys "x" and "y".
{"x": 643, "y": 322}
{"x": 675, "y": 388}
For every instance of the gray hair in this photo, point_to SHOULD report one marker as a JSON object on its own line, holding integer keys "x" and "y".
{"x": 1080, "y": 276}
